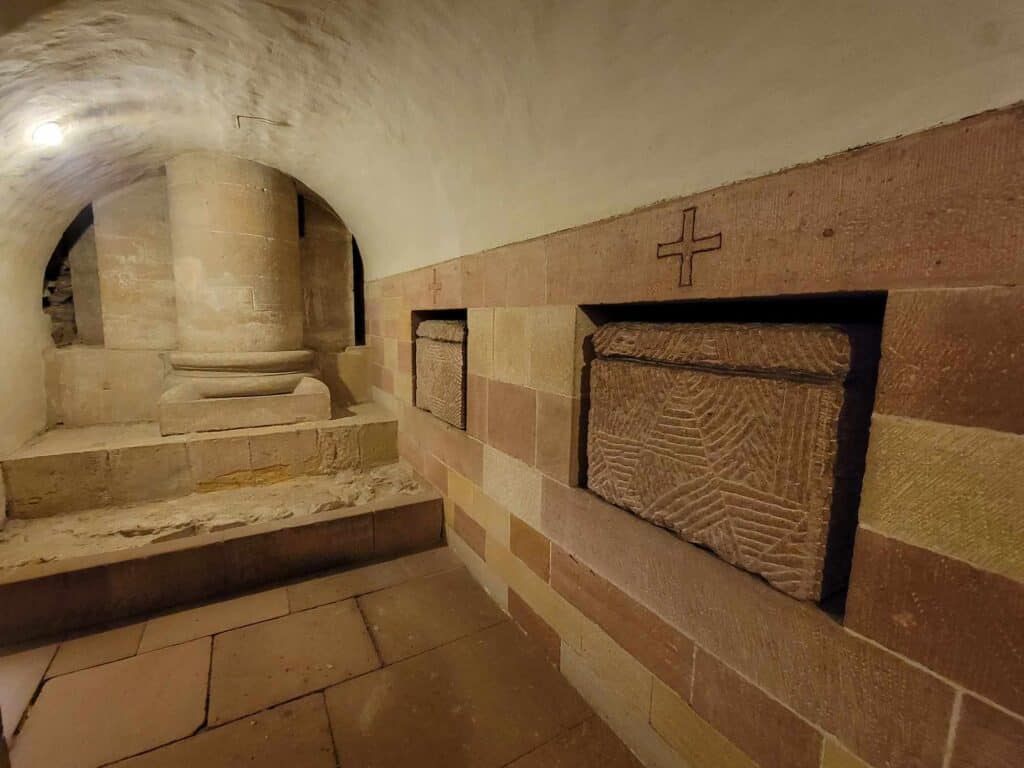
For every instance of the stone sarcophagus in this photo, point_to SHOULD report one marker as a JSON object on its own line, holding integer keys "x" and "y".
{"x": 441, "y": 369}
{"x": 746, "y": 439}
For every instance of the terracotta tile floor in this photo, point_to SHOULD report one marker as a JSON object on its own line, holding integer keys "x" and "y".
{"x": 404, "y": 663}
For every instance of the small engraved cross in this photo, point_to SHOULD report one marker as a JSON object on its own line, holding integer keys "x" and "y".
{"x": 687, "y": 245}
{"x": 435, "y": 287}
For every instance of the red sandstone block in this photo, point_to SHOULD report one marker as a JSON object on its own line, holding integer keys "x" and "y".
{"x": 937, "y": 208}
{"x": 768, "y": 732}
{"x": 954, "y": 356}
{"x": 531, "y": 547}
{"x": 965, "y": 623}
{"x": 435, "y": 472}
{"x": 476, "y": 407}
{"x": 886, "y": 710}
{"x": 661, "y": 648}
{"x": 987, "y": 738}
{"x": 511, "y": 420}
{"x": 535, "y": 626}
{"x": 473, "y": 272}
{"x": 470, "y": 530}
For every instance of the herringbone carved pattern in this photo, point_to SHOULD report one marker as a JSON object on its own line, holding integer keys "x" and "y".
{"x": 440, "y": 386}
{"x": 741, "y": 464}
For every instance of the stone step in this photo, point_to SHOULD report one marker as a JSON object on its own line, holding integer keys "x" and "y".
{"x": 71, "y": 470}
{"x": 55, "y": 598}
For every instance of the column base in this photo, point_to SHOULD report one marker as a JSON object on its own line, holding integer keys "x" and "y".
{"x": 184, "y": 408}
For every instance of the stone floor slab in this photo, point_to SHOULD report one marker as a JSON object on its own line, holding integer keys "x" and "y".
{"x": 425, "y": 613}
{"x": 265, "y": 664}
{"x": 96, "y": 648}
{"x": 210, "y": 619}
{"x": 481, "y": 701}
{"x": 360, "y": 581}
{"x": 296, "y": 734}
{"x": 103, "y": 714}
{"x": 589, "y": 744}
{"x": 20, "y": 674}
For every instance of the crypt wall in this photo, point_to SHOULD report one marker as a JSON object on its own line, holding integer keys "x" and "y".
{"x": 690, "y": 658}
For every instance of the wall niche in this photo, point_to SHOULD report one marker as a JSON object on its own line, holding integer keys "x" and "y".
{"x": 439, "y": 355}
{"x": 740, "y": 426}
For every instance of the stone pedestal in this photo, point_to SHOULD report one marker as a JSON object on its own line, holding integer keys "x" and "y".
{"x": 235, "y": 244}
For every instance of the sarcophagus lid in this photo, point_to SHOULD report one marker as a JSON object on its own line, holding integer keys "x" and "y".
{"x": 731, "y": 435}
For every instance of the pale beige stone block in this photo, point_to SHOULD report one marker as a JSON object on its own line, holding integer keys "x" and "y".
{"x": 289, "y": 453}
{"x": 512, "y": 484}
{"x": 461, "y": 490}
{"x": 492, "y": 516}
{"x": 834, "y": 755}
{"x": 564, "y": 618}
{"x": 136, "y": 275}
{"x": 511, "y": 362}
{"x": 94, "y": 385}
{"x": 552, "y": 348}
{"x": 38, "y": 486}
{"x": 219, "y": 462}
{"x": 85, "y": 282}
{"x": 485, "y": 576}
{"x": 378, "y": 443}
{"x": 481, "y": 342}
{"x": 629, "y": 724}
{"x": 696, "y": 742}
{"x": 951, "y": 489}
{"x": 403, "y": 387}
{"x": 615, "y": 668}
{"x": 338, "y": 447}
{"x": 353, "y": 372}
{"x": 149, "y": 472}
{"x": 3, "y": 500}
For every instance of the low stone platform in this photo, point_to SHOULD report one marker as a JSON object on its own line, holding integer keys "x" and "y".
{"x": 218, "y": 543}
{"x": 71, "y": 470}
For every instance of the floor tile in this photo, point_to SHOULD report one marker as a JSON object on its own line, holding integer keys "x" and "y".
{"x": 341, "y": 586}
{"x": 481, "y": 701}
{"x": 20, "y": 675}
{"x": 210, "y": 619}
{"x": 293, "y": 734}
{"x": 99, "y": 715}
{"x": 96, "y": 648}
{"x": 428, "y": 612}
{"x": 262, "y": 665}
{"x": 589, "y": 744}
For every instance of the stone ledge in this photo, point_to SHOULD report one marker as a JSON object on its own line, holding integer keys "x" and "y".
{"x": 75, "y": 475}
{"x": 75, "y": 593}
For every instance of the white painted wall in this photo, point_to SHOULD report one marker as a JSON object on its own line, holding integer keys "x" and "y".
{"x": 443, "y": 127}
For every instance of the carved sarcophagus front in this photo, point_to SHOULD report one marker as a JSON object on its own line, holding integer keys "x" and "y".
{"x": 747, "y": 439}
{"x": 441, "y": 369}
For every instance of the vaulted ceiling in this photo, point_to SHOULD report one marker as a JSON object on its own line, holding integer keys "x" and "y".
{"x": 441, "y": 127}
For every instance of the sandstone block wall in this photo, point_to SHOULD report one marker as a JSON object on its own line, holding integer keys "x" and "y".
{"x": 693, "y": 661}
{"x": 94, "y": 385}
{"x": 440, "y": 370}
{"x": 727, "y": 435}
{"x": 327, "y": 287}
{"x": 136, "y": 273}
{"x": 85, "y": 282}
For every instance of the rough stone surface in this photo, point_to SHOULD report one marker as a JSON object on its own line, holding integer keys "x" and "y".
{"x": 441, "y": 370}
{"x": 49, "y": 539}
{"x": 85, "y": 285}
{"x": 327, "y": 298}
{"x": 728, "y": 436}
{"x": 133, "y": 248}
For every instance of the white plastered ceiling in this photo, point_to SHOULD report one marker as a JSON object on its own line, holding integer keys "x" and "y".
{"x": 437, "y": 128}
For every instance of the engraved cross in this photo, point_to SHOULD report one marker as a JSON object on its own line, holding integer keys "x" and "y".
{"x": 435, "y": 287}
{"x": 687, "y": 245}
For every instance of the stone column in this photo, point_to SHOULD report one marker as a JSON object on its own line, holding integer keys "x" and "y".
{"x": 235, "y": 247}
